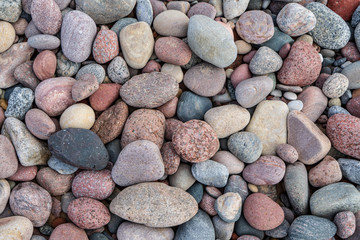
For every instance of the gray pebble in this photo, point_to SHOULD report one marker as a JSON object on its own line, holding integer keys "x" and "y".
{"x": 336, "y": 110}
{"x": 350, "y": 169}
{"x": 223, "y": 230}
{"x": 95, "y": 69}
{"x": 242, "y": 227}
{"x": 355, "y": 17}
{"x": 114, "y": 223}
{"x": 65, "y": 67}
{"x": 210, "y": 173}
{"x": 37, "y": 237}
{"x": 327, "y": 53}
{"x": 44, "y": 41}
{"x": 290, "y": 95}
{"x": 339, "y": 62}
{"x": 120, "y": 24}
{"x": 197, "y": 191}
{"x": 246, "y": 146}
{"x": 61, "y": 167}
{"x": 65, "y": 201}
{"x": 265, "y": 61}
{"x": 346, "y": 97}
{"x": 296, "y": 105}
{"x": 144, "y": 11}
{"x": 118, "y": 70}
{"x": 114, "y": 149}
{"x": 238, "y": 185}
{"x": 20, "y": 102}
{"x": 279, "y": 232}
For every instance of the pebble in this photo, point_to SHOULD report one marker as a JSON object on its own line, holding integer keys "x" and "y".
{"x": 106, "y": 94}
{"x": 243, "y": 228}
{"x": 44, "y": 41}
{"x": 172, "y": 50}
{"x": 314, "y": 102}
{"x": 173, "y": 70}
{"x": 335, "y": 85}
{"x": 343, "y": 8}
{"x": 351, "y": 52}
{"x": 10, "y": 10}
{"x": 44, "y": 65}
{"x": 268, "y": 122}
{"x": 118, "y": 70}
{"x": 17, "y": 54}
{"x": 295, "y": 20}
{"x": 56, "y": 184}
{"x": 204, "y": 34}
{"x": 197, "y": 191}
{"x": 353, "y": 106}
{"x": 154, "y": 204}
{"x": 9, "y": 226}
{"x": 171, "y": 23}
{"x": 334, "y": 102}
{"x": 355, "y": 17}
{"x": 24, "y": 174}
{"x": 203, "y": 145}
{"x": 128, "y": 230}
{"x": 278, "y": 40}
{"x": 144, "y": 124}
{"x": 192, "y": 106}
{"x": 287, "y": 153}
{"x": 97, "y": 70}
{"x": 139, "y": 161}
{"x": 144, "y": 11}
{"x": 290, "y": 96}
{"x": 105, "y": 46}
{"x": 199, "y": 227}
{"x": 233, "y": 8}
{"x": 46, "y": 16}
{"x": 7, "y": 36}
{"x": 84, "y": 87}
{"x": 169, "y": 108}
{"x": 246, "y": 146}
{"x": 295, "y": 105}
{"x": 88, "y": 213}
{"x": 326, "y": 172}
{"x": 311, "y": 227}
{"x": 170, "y": 158}
{"x": 351, "y": 72}
{"x": 243, "y": 47}
{"x": 336, "y": 110}
{"x": 350, "y": 169}
{"x": 343, "y": 131}
{"x": 262, "y": 213}
{"x": 304, "y": 135}
{"x": 5, "y": 194}
{"x": 223, "y": 230}
{"x": 338, "y": 33}
{"x": 228, "y": 206}
{"x": 20, "y": 102}
{"x": 265, "y": 61}
{"x": 31, "y": 30}
{"x": 157, "y": 7}
{"x": 78, "y": 115}
{"x": 294, "y": 89}
{"x": 210, "y": 173}
{"x": 301, "y": 67}
{"x": 25, "y": 75}
{"x": 65, "y": 67}
{"x": 61, "y": 167}
{"x": 68, "y": 231}
{"x": 181, "y": 6}
{"x": 241, "y": 73}
{"x": 79, "y": 147}
{"x": 338, "y": 197}
{"x": 236, "y": 184}
{"x": 255, "y": 27}
{"x": 253, "y": 90}
{"x": 346, "y": 223}
{"x": 38, "y": 205}
{"x": 182, "y": 178}
{"x": 137, "y": 43}
{"x": 8, "y": 158}
{"x": 208, "y": 204}
{"x": 202, "y": 8}
{"x": 233, "y": 164}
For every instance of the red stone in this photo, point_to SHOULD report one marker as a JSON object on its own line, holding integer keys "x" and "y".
{"x": 106, "y": 45}
{"x": 240, "y": 74}
{"x": 44, "y": 65}
{"x": 68, "y": 231}
{"x": 353, "y": 106}
{"x": 24, "y": 174}
{"x": 344, "y": 8}
{"x": 208, "y": 204}
{"x": 55, "y": 183}
{"x": 202, "y": 8}
{"x": 172, "y": 50}
{"x": 151, "y": 66}
{"x": 170, "y": 157}
{"x": 344, "y": 133}
{"x": 351, "y": 52}
{"x": 171, "y": 125}
{"x": 169, "y": 108}
{"x": 104, "y": 96}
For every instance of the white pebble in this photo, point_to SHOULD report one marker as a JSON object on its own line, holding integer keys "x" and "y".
{"x": 290, "y": 96}
{"x": 265, "y": 4}
{"x": 345, "y": 64}
{"x": 295, "y": 105}
{"x": 276, "y": 93}
{"x": 321, "y": 57}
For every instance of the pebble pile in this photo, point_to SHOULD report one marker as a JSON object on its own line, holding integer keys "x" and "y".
{"x": 180, "y": 120}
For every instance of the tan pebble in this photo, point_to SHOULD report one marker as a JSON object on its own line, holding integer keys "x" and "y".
{"x": 20, "y": 26}
{"x": 228, "y": 72}
{"x": 334, "y": 102}
{"x": 78, "y": 116}
{"x": 174, "y": 71}
{"x": 306, "y": 38}
{"x": 242, "y": 47}
{"x": 253, "y": 188}
{"x": 7, "y": 33}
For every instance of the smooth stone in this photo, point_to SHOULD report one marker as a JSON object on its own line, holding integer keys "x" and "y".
{"x": 346, "y": 224}
{"x": 137, "y": 43}
{"x": 290, "y": 96}
{"x": 279, "y": 232}
{"x": 182, "y": 6}
{"x": 65, "y": 67}
{"x": 336, "y": 110}
{"x": 144, "y": 11}
{"x": 56, "y": 184}
{"x": 157, "y": 7}
{"x": 228, "y": 206}
{"x": 287, "y": 153}
{"x": 169, "y": 108}
{"x": 344, "y": 8}
{"x": 238, "y": 185}
{"x": 7, "y": 36}
{"x": 335, "y": 85}
{"x": 10, "y": 11}
{"x": 265, "y": 61}
{"x": 118, "y": 70}
{"x": 253, "y": 90}
{"x": 308, "y": 140}
{"x": 246, "y": 146}
{"x": 144, "y": 124}
{"x": 31, "y": 30}
{"x": 61, "y": 167}
{"x": 314, "y": 102}
{"x": 128, "y": 230}
{"x": 44, "y": 41}
{"x": 36, "y": 208}
{"x": 267, "y": 170}
{"x": 297, "y": 187}
{"x": 84, "y": 87}
{"x": 78, "y": 115}
{"x": 154, "y": 204}
{"x": 197, "y": 191}
{"x": 350, "y": 169}
{"x": 78, "y": 32}
{"x": 171, "y": 23}
{"x": 278, "y": 40}
{"x": 16, "y": 227}
{"x": 208, "y": 204}
{"x": 173, "y": 70}
{"x": 223, "y": 230}
{"x": 228, "y": 119}
{"x": 241, "y": 73}
{"x": 106, "y": 12}
{"x": 268, "y": 122}
{"x": 24, "y": 174}
{"x": 88, "y": 213}
{"x": 309, "y": 227}
{"x": 66, "y": 199}
{"x": 210, "y": 173}
{"x": 114, "y": 149}
{"x": 172, "y": 50}
{"x": 46, "y": 16}
{"x": 338, "y": 197}
{"x": 29, "y": 150}
{"x": 233, "y": 8}
{"x": 121, "y": 23}
{"x": 114, "y": 223}
{"x": 262, "y": 213}
{"x": 104, "y": 96}
{"x": 202, "y": 8}
{"x": 97, "y": 70}
{"x": 182, "y": 178}
{"x": 4, "y": 194}
{"x": 326, "y": 172}
{"x": 199, "y": 227}
{"x": 243, "y": 228}
{"x": 351, "y": 72}
{"x": 170, "y": 158}
{"x": 44, "y": 65}
{"x": 355, "y": 17}
{"x": 68, "y": 231}
{"x": 8, "y": 159}
{"x": 211, "y": 41}
{"x": 25, "y": 75}
{"x": 343, "y": 131}
{"x": 338, "y": 33}
{"x": 353, "y": 106}
{"x": 139, "y": 161}
{"x": 233, "y": 164}
{"x": 79, "y": 147}
{"x": 105, "y": 46}
{"x": 16, "y": 55}
{"x": 192, "y": 106}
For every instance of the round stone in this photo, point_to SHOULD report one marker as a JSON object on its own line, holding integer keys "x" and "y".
{"x": 118, "y": 70}
{"x": 68, "y": 231}
{"x": 16, "y": 226}
{"x": 171, "y": 23}
{"x": 106, "y": 94}
{"x": 174, "y": 71}
{"x": 7, "y": 36}
{"x": 350, "y": 169}
{"x": 228, "y": 206}
{"x": 346, "y": 224}
{"x": 105, "y": 46}
{"x": 353, "y": 106}
{"x": 192, "y": 106}
{"x": 56, "y": 184}
{"x": 19, "y": 103}
{"x": 45, "y": 65}
{"x": 210, "y": 173}
{"x": 233, "y": 164}
{"x": 172, "y": 50}
{"x": 265, "y": 61}
{"x": 182, "y": 178}
{"x": 287, "y": 153}
{"x": 335, "y": 85}
{"x": 24, "y": 174}
{"x": 203, "y": 145}
{"x": 246, "y": 146}
{"x": 78, "y": 115}
{"x": 96, "y": 69}
{"x": 46, "y": 16}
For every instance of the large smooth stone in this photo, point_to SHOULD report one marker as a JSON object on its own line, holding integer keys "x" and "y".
{"x": 297, "y": 187}
{"x": 253, "y": 90}
{"x": 326, "y": 172}
{"x": 29, "y": 149}
{"x": 227, "y": 119}
{"x": 308, "y": 140}
{"x": 10, "y": 10}
{"x": 314, "y": 102}
{"x": 140, "y": 161}
{"x": 137, "y": 44}
{"x": 46, "y": 16}
{"x": 309, "y": 227}
{"x": 334, "y": 198}
{"x": 79, "y": 147}
{"x": 128, "y": 230}
{"x": 4, "y": 194}
{"x": 104, "y": 12}
{"x": 210, "y": 173}
{"x": 234, "y": 8}
{"x": 331, "y": 31}
{"x": 149, "y": 90}
{"x": 269, "y": 123}
{"x": 211, "y": 41}
{"x": 350, "y": 169}
{"x": 154, "y": 205}
{"x": 16, "y": 55}
{"x": 8, "y": 158}
{"x": 352, "y": 72}
{"x": 16, "y": 227}
{"x": 171, "y": 23}
{"x": 192, "y": 106}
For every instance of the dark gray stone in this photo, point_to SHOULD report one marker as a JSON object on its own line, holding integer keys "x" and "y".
{"x": 350, "y": 169}
{"x": 197, "y": 191}
{"x": 309, "y": 227}
{"x": 114, "y": 149}
{"x": 79, "y": 147}
{"x": 119, "y": 25}
{"x": 328, "y": 62}
{"x": 277, "y": 41}
{"x": 9, "y": 91}
{"x": 46, "y": 229}
{"x": 65, "y": 67}
{"x": 65, "y": 201}
{"x": 352, "y": 72}
{"x": 346, "y": 97}
{"x": 144, "y": 11}
{"x": 238, "y": 185}
{"x": 242, "y": 227}
{"x": 279, "y": 232}
{"x": 339, "y": 62}
{"x": 223, "y": 230}
{"x": 20, "y": 102}
{"x": 199, "y": 227}
{"x": 98, "y": 236}
{"x": 192, "y": 106}
{"x": 355, "y": 20}
{"x": 210, "y": 173}
{"x": 114, "y": 223}
{"x": 336, "y": 110}
{"x": 61, "y": 167}
{"x": 96, "y": 69}
{"x": 246, "y": 146}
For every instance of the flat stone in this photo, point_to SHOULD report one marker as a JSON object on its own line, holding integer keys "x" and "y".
{"x": 211, "y": 41}
{"x": 233, "y": 8}
{"x": 233, "y": 164}
{"x": 326, "y": 172}
{"x": 246, "y": 146}
{"x": 192, "y": 106}
{"x": 265, "y": 61}
{"x": 228, "y": 206}
{"x": 154, "y": 205}
{"x": 68, "y": 230}
{"x": 44, "y": 41}
{"x": 128, "y": 230}
{"x": 335, "y": 85}
{"x": 308, "y": 140}
{"x": 350, "y": 169}
{"x": 346, "y": 224}
{"x": 210, "y": 173}
{"x": 10, "y": 228}
{"x": 46, "y": 16}
{"x": 314, "y": 102}
{"x": 56, "y": 184}
{"x": 278, "y": 40}
{"x": 182, "y": 178}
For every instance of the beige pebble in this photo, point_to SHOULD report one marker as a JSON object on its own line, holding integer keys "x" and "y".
{"x": 7, "y": 36}
{"x": 78, "y": 115}
{"x": 306, "y": 38}
{"x": 253, "y": 188}
{"x": 20, "y": 26}
{"x": 242, "y": 47}
{"x": 174, "y": 71}
{"x": 334, "y": 102}
{"x": 228, "y": 72}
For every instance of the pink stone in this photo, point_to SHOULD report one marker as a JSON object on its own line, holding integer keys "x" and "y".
{"x": 55, "y": 183}
{"x": 326, "y": 172}
{"x": 208, "y": 204}
{"x": 46, "y": 15}
{"x": 68, "y": 231}
{"x": 287, "y": 153}
{"x": 315, "y": 102}
{"x": 353, "y": 106}
{"x": 284, "y": 50}
{"x": 169, "y": 108}
{"x": 240, "y": 74}
{"x": 202, "y": 8}
{"x": 247, "y": 58}
{"x": 8, "y": 158}
{"x": 346, "y": 224}
{"x": 171, "y": 125}
{"x": 44, "y": 65}
{"x": 104, "y": 96}
{"x": 39, "y": 123}
{"x": 321, "y": 80}
{"x": 351, "y": 52}
{"x": 172, "y": 50}
{"x": 24, "y": 174}
{"x": 158, "y": 7}
{"x": 151, "y": 66}
{"x": 170, "y": 157}
{"x": 106, "y": 45}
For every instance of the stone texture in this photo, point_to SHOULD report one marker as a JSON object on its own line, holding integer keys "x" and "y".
{"x": 202, "y": 8}
{"x": 308, "y": 140}
{"x": 353, "y": 106}
{"x": 192, "y": 106}
{"x": 8, "y": 159}
{"x": 265, "y": 61}
{"x": 228, "y": 206}
{"x": 233, "y": 8}
{"x": 16, "y": 227}
{"x": 344, "y": 8}
{"x": 335, "y": 85}
{"x": 24, "y": 174}
{"x": 350, "y": 169}
{"x": 106, "y": 94}
{"x": 118, "y": 70}
{"x": 154, "y": 205}
{"x": 39, "y": 123}
{"x": 84, "y": 87}
{"x": 233, "y": 164}
{"x": 44, "y": 65}
{"x": 106, "y": 45}
{"x": 210, "y": 173}
{"x": 128, "y": 231}
{"x": 183, "y": 177}
{"x": 352, "y": 72}
{"x": 10, "y": 10}
{"x": 65, "y": 67}
{"x": 172, "y": 50}
{"x": 4, "y": 194}
{"x": 78, "y": 115}
{"x": 315, "y": 102}
{"x": 25, "y": 75}
{"x": 19, "y": 103}
{"x": 170, "y": 158}
{"x": 171, "y": 23}
{"x": 287, "y": 153}
{"x": 8, "y": 36}
{"x": 68, "y": 231}
{"x": 46, "y": 16}
{"x": 245, "y": 146}
{"x": 56, "y": 184}
{"x": 326, "y": 172}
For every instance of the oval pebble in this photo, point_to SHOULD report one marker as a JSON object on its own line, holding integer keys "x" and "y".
{"x": 105, "y": 46}
{"x": 171, "y": 23}
{"x": 246, "y": 146}
{"x": 8, "y": 159}
{"x": 68, "y": 231}
{"x": 210, "y": 173}
{"x": 192, "y": 106}
{"x": 46, "y": 16}
{"x": 56, "y": 184}
{"x": 7, "y": 36}
{"x": 44, "y": 41}
{"x": 346, "y": 224}
{"x": 45, "y": 65}
{"x": 78, "y": 115}
{"x": 228, "y": 206}
{"x": 335, "y": 85}
{"x": 10, "y": 228}
{"x": 128, "y": 230}
{"x": 172, "y": 50}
